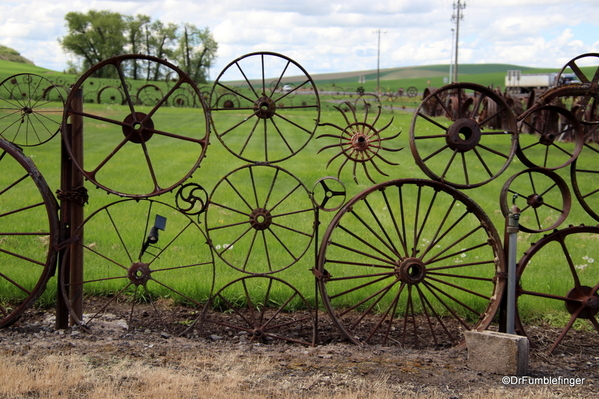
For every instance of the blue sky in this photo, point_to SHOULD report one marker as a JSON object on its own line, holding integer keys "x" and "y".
{"x": 338, "y": 36}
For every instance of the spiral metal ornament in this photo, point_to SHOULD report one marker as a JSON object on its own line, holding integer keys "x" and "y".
{"x": 359, "y": 141}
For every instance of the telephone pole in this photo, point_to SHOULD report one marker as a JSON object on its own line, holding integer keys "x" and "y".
{"x": 457, "y": 17}
{"x": 378, "y": 64}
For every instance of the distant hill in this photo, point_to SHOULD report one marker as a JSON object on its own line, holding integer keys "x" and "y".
{"x": 9, "y": 54}
{"x": 427, "y": 71}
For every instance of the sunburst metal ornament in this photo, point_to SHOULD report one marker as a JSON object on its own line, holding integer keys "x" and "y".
{"x": 359, "y": 141}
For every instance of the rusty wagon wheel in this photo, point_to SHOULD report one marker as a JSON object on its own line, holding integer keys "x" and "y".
{"x": 558, "y": 274}
{"x": 227, "y": 101}
{"x": 412, "y": 92}
{"x": 458, "y": 151}
{"x": 110, "y": 95}
{"x": 148, "y": 94}
{"x": 145, "y": 254}
{"x": 411, "y": 262}
{"x": 584, "y": 106}
{"x": 544, "y": 202}
{"x": 550, "y": 137}
{"x": 260, "y": 219}
{"x": 138, "y": 151}
{"x": 583, "y": 174}
{"x": 263, "y": 127}
{"x": 368, "y": 102}
{"x": 262, "y": 309}
{"x": 29, "y": 233}
{"x": 184, "y": 98}
{"x": 30, "y": 109}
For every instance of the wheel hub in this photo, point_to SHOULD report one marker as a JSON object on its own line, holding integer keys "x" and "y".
{"x": 463, "y": 135}
{"x": 139, "y": 273}
{"x": 535, "y": 200}
{"x": 582, "y": 297}
{"x": 547, "y": 139}
{"x": 360, "y": 142}
{"x": 265, "y": 107}
{"x": 260, "y": 219}
{"x": 257, "y": 334}
{"x": 411, "y": 271}
{"x": 136, "y": 131}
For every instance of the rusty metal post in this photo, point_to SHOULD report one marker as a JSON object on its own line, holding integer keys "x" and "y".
{"x": 76, "y": 251}
{"x": 512, "y": 230}
{"x": 71, "y": 216}
{"x": 62, "y": 311}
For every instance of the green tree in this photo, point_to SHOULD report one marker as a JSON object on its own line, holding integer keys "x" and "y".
{"x": 135, "y": 33}
{"x": 161, "y": 41}
{"x": 94, "y": 37}
{"x": 196, "y": 52}
{"x": 98, "y": 35}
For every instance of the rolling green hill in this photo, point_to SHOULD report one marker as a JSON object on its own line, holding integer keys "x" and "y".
{"x": 391, "y": 79}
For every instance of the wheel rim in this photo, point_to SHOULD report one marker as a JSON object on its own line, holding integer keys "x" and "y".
{"x": 395, "y": 269}
{"x": 583, "y": 172}
{"x": 30, "y": 109}
{"x": 266, "y": 229}
{"x": 132, "y": 140}
{"x": 28, "y": 236}
{"x": 459, "y": 145}
{"x": 544, "y": 199}
{"x": 586, "y": 102}
{"x": 550, "y": 137}
{"x": 262, "y": 308}
{"x": 572, "y": 295}
{"x": 263, "y": 128}
{"x": 122, "y": 264}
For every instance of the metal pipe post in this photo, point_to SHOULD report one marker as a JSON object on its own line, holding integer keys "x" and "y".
{"x": 512, "y": 233}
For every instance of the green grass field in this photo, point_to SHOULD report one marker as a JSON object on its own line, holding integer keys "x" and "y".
{"x": 115, "y": 234}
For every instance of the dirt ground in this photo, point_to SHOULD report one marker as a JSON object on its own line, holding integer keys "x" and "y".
{"x": 324, "y": 370}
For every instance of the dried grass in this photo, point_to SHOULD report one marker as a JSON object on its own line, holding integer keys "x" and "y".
{"x": 229, "y": 376}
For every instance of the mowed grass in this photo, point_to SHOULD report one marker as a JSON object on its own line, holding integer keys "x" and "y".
{"x": 292, "y": 253}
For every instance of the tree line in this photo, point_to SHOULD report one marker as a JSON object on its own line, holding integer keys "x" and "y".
{"x": 97, "y": 35}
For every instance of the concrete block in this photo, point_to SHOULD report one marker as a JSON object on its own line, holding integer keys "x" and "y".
{"x": 498, "y": 353}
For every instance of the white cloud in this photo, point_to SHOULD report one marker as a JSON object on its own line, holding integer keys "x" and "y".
{"x": 338, "y": 35}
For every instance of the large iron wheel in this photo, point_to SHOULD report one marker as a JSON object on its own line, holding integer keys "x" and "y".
{"x": 458, "y": 151}
{"x": 558, "y": 274}
{"x": 145, "y": 254}
{"x": 139, "y": 150}
{"x": 584, "y": 105}
{"x": 30, "y": 109}
{"x": 260, "y": 219}
{"x": 29, "y": 233}
{"x": 261, "y": 309}
{"x": 263, "y": 127}
{"x": 413, "y": 262}
{"x": 550, "y": 137}
{"x": 544, "y": 199}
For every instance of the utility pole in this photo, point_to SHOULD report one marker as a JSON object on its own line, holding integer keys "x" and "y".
{"x": 457, "y": 17}
{"x": 378, "y": 64}
{"x": 451, "y": 57}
